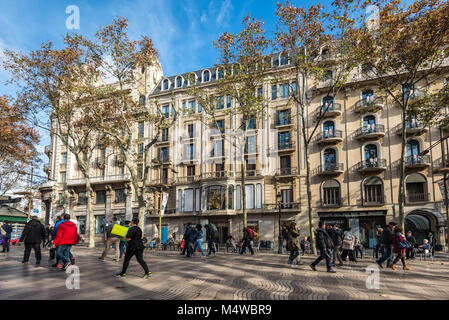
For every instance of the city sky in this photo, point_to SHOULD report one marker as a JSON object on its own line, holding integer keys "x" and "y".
{"x": 182, "y": 30}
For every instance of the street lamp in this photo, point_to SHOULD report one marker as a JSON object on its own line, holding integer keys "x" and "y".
{"x": 280, "y": 240}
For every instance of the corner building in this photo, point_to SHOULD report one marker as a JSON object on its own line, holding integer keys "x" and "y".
{"x": 355, "y": 160}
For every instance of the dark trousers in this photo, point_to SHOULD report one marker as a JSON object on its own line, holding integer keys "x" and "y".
{"x": 410, "y": 253}
{"x": 139, "y": 256}
{"x": 211, "y": 246}
{"x": 247, "y": 243}
{"x": 324, "y": 254}
{"x": 188, "y": 248}
{"x": 376, "y": 251}
{"x": 357, "y": 250}
{"x": 346, "y": 253}
{"x": 37, "y": 251}
{"x": 386, "y": 255}
{"x": 401, "y": 257}
{"x": 293, "y": 255}
{"x": 336, "y": 255}
{"x": 6, "y": 240}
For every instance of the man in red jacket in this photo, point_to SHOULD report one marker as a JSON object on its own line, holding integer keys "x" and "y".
{"x": 66, "y": 236}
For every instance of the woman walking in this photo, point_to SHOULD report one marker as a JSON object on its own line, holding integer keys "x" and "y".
{"x": 198, "y": 239}
{"x": 292, "y": 244}
{"x": 399, "y": 248}
{"x": 348, "y": 246}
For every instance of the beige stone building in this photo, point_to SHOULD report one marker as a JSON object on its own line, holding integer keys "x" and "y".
{"x": 355, "y": 165}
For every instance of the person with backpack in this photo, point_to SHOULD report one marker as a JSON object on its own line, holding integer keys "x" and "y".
{"x": 111, "y": 239}
{"x": 33, "y": 234}
{"x": 348, "y": 246}
{"x": 293, "y": 244}
{"x": 6, "y": 231}
{"x": 337, "y": 240}
{"x": 325, "y": 245}
{"x": 210, "y": 238}
{"x": 248, "y": 236}
{"x": 66, "y": 237}
{"x": 400, "y": 245}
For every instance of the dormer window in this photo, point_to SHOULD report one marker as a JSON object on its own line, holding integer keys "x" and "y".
{"x": 220, "y": 73}
{"x": 206, "y": 76}
{"x": 165, "y": 85}
{"x": 179, "y": 81}
{"x": 284, "y": 59}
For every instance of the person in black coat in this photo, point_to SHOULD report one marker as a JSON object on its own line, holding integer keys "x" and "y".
{"x": 7, "y": 237}
{"x": 386, "y": 243}
{"x": 325, "y": 245}
{"x": 247, "y": 242}
{"x": 33, "y": 234}
{"x": 432, "y": 242}
{"x": 410, "y": 252}
{"x": 337, "y": 236}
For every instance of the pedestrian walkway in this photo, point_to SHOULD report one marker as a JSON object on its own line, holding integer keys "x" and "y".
{"x": 227, "y": 276}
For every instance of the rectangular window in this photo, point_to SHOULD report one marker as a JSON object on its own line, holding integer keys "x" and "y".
{"x": 163, "y": 154}
{"x": 200, "y": 108}
{"x": 81, "y": 224}
{"x": 284, "y": 90}
{"x": 198, "y": 200}
{"x": 249, "y": 189}
{"x": 140, "y": 171}
{"x": 259, "y": 91}
{"x": 179, "y": 200}
{"x": 82, "y": 198}
{"x": 284, "y": 140}
{"x": 141, "y": 129}
{"x": 120, "y": 196}
{"x": 99, "y": 224}
{"x": 166, "y": 111}
{"x": 165, "y": 176}
{"x": 274, "y": 92}
{"x": 64, "y": 157}
{"x": 191, "y": 130}
{"x": 219, "y": 148}
{"x": 252, "y": 123}
{"x": 294, "y": 87}
{"x": 220, "y": 102}
{"x": 61, "y": 199}
{"x": 284, "y": 117}
{"x": 188, "y": 202}
{"x": 251, "y": 144}
{"x": 190, "y": 171}
{"x": 140, "y": 150}
{"x": 228, "y": 101}
{"x": 287, "y": 197}
{"x": 238, "y": 197}
{"x": 192, "y": 107}
{"x": 258, "y": 196}
{"x": 62, "y": 176}
{"x": 100, "y": 197}
{"x": 164, "y": 134}
{"x": 220, "y": 125}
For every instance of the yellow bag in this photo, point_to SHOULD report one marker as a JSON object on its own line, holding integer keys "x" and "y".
{"x": 119, "y": 230}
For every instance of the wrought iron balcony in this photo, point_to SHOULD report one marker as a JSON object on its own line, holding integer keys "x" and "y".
{"x": 329, "y": 137}
{"x": 286, "y": 172}
{"x": 286, "y": 146}
{"x": 412, "y": 127}
{"x": 417, "y": 161}
{"x": 374, "y": 201}
{"x": 285, "y": 206}
{"x": 417, "y": 197}
{"x": 218, "y": 175}
{"x": 188, "y": 179}
{"x": 372, "y": 165}
{"x": 329, "y": 110}
{"x": 330, "y": 169}
{"x": 372, "y": 131}
{"x": 369, "y": 105}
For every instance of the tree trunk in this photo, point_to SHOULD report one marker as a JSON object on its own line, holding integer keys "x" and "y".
{"x": 401, "y": 192}
{"x": 309, "y": 196}
{"x": 242, "y": 181}
{"x": 141, "y": 211}
{"x": 90, "y": 212}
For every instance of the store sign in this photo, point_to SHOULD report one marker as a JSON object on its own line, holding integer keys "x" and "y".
{"x": 37, "y": 207}
{"x": 164, "y": 202}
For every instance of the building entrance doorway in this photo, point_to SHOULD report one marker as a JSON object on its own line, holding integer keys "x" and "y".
{"x": 420, "y": 226}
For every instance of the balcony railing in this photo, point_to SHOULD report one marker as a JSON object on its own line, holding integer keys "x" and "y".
{"x": 329, "y": 109}
{"x": 286, "y": 172}
{"x": 161, "y": 181}
{"x": 218, "y": 175}
{"x": 334, "y": 202}
{"x": 330, "y": 135}
{"x": 100, "y": 162}
{"x": 284, "y": 206}
{"x": 163, "y": 138}
{"x": 119, "y": 160}
{"x": 188, "y": 179}
{"x": 371, "y": 130}
{"x": 369, "y": 105}
{"x": 251, "y": 150}
{"x": 283, "y": 120}
{"x": 411, "y": 127}
{"x": 417, "y": 160}
{"x": 189, "y": 157}
{"x": 286, "y": 145}
{"x": 249, "y": 173}
{"x": 372, "y": 164}
{"x": 101, "y": 179}
{"x": 417, "y": 197}
{"x": 375, "y": 201}
{"x": 330, "y": 168}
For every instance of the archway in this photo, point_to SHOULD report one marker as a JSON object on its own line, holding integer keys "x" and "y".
{"x": 420, "y": 224}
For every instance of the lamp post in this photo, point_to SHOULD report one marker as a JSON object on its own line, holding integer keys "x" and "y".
{"x": 280, "y": 240}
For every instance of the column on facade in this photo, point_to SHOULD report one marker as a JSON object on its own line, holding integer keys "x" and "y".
{"x": 108, "y": 210}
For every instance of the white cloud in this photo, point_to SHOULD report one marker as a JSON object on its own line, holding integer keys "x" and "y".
{"x": 203, "y": 18}
{"x": 225, "y": 13}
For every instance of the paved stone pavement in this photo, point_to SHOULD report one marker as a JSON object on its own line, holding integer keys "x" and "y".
{"x": 226, "y": 276}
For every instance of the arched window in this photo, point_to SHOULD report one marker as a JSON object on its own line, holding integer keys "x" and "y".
{"x": 206, "y": 76}
{"x": 284, "y": 59}
{"x": 371, "y": 155}
{"x": 368, "y": 95}
{"x": 328, "y": 129}
{"x": 328, "y": 103}
{"x": 165, "y": 85}
{"x": 331, "y": 193}
{"x": 416, "y": 188}
{"x": 412, "y": 152}
{"x": 216, "y": 198}
{"x": 330, "y": 159}
{"x": 369, "y": 124}
{"x": 373, "y": 191}
{"x": 179, "y": 81}
{"x": 412, "y": 122}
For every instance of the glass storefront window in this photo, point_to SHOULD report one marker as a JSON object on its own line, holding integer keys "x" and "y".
{"x": 99, "y": 224}
{"x": 81, "y": 224}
